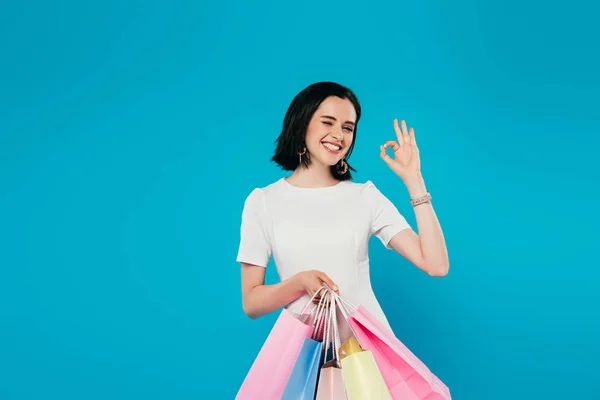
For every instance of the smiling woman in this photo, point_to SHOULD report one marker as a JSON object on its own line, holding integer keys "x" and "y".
{"x": 324, "y": 116}
{"x": 316, "y": 223}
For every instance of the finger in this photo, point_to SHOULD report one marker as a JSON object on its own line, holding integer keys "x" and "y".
{"x": 412, "y": 136}
{"x": 398, "y": 132}
{"x": 317, "y": 297}
{"x": 405, "y": 132}
{"x": 392, "y": 144}
{"x": 322, "y": 276}
{"x": 315, "y": 290}
{"x": 384, "y": 155}
{"x": 322, "y": 300}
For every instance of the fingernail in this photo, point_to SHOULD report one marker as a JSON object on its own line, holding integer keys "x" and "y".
{"x": 335, "y": 287}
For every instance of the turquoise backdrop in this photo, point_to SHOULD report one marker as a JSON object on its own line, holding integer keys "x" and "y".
{"x": 132, "y": 131}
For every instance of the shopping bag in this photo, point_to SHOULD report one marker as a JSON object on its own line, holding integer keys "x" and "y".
{"x": 362, "y": 378}
{"x": 331, "y": 382}
{"x": 273, "y": 365}
{"x": 302, "y": 382}
{"x": 407, "y": 377}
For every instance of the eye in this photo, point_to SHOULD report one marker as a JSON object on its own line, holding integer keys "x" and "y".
{"x": 347, "y": 128}
{"x": 327, "y": 123}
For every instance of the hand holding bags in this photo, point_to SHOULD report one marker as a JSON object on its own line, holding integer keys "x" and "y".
{"x": 372, "y": 365}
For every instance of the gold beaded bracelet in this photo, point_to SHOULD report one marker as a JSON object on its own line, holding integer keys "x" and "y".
{"x": 421, "y": 200}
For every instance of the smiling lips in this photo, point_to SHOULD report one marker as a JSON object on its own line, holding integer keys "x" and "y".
{"x": 331, "y": 147}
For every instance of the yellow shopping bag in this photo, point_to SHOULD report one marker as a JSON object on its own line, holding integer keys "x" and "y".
{"x": 362, "y": 378}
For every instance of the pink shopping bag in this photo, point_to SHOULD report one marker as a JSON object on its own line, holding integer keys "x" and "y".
{"x": 331, "y": 380}
{"x": 271, "y": 369}
{"x": 331, "y": 384}
{"x": 407, "y": 377}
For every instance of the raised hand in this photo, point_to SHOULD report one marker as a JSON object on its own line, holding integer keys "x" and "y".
{"x": 406, "y": 162}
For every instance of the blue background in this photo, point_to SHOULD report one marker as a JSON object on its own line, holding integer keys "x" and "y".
{"x": 131, "y": 133}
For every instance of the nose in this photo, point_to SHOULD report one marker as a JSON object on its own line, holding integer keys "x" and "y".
{"x": 337, "y": 135}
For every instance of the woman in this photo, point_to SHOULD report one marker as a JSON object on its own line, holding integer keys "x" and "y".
{"x": 316, "y": 223}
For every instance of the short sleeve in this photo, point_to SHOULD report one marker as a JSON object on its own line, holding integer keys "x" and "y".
{"x": 254, "y": 247}
{"x": 386, "y": 220}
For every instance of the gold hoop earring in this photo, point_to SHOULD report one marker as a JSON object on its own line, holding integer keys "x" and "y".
{"x": 300, "y": 156}
{"x": 344, "y": 166}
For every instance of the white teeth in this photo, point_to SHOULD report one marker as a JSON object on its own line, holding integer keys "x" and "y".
{"x": 331, "y": 146}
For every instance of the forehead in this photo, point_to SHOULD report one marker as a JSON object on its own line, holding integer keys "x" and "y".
{"x": 341, "y": 109}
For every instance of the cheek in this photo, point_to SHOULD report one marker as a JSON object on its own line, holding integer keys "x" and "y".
{"x": 314, "y": 135}
{"x": 315, "y": 129}
{"x": 348, "y": 139}
{"x": 311, "y": 141}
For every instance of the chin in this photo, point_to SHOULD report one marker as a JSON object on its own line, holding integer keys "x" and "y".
{"x": 330, "y": 162}
{"x": 331, "y": 159}
{"x": 328, "y": 158}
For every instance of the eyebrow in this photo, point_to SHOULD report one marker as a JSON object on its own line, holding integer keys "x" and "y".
{"x": 334, "y": 119}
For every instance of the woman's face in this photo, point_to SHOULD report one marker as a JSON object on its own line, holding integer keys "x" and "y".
{"x": 331, "y": 131}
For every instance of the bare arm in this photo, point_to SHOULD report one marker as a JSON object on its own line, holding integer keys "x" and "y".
{"x": 259, "y": 299}
{"x": 427, "y": 250}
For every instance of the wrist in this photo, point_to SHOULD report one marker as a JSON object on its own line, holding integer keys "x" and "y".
{"x": 416, "y": 187}
{"x": 295, "y": 282}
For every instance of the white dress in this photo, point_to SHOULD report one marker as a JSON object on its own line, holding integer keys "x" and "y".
{"x": 326, "y": 229}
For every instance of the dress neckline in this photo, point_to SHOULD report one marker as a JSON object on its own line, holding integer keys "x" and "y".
{"x": 288, "y": 184}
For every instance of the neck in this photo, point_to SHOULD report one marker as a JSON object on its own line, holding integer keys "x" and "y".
{"x": 312, "y": 177}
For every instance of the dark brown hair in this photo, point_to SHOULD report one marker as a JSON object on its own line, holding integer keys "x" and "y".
{"x": 291, "y": 141}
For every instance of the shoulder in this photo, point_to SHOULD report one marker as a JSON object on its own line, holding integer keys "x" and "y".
{"x": 370, "y": 195}
{"x": 365, "y": 189}
{"x": 258, "y": 195}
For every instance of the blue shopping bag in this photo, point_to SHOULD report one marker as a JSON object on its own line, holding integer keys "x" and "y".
{"x": 302, "y": 382}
